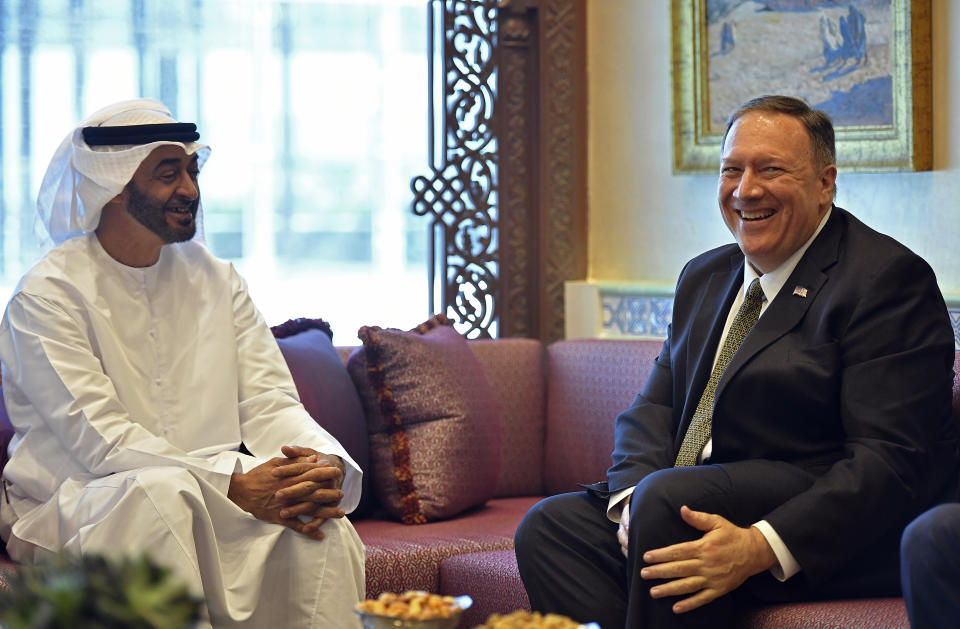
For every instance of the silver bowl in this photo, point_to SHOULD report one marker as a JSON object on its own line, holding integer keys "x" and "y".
{"x": 380, "y": 621}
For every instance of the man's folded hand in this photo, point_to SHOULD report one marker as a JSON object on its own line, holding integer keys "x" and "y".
{"x": 300, "y": 491}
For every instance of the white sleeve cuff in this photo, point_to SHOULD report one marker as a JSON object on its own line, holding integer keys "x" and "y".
{"x": 787, "y": 563}
{"x": 613, "y": 506}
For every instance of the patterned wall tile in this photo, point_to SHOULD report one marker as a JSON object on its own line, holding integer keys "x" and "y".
{"x": 636, "y": 315}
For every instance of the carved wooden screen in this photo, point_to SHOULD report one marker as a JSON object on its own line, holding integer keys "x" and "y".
{"x": 506, "y": 189}
{"x": 460, "y": 194}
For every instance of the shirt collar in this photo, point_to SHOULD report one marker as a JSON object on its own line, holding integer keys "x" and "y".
{"x": 772, "y": 282}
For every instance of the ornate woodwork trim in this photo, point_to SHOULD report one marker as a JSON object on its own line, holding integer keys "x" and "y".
{"x": 519, "y": 250}
{"x": 461, "y": 191}
{"x": 564, "y": 148}
{"x": 508, "y": 199}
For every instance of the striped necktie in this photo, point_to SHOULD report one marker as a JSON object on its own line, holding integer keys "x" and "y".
{"x": 699, "y": 430}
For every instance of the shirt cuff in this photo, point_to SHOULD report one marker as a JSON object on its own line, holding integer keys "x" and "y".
{"x": 787, "y": 565}
{"x": 613, "y": 504}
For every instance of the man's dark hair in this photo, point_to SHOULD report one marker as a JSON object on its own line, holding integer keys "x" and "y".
{"x": 816, "y": 122}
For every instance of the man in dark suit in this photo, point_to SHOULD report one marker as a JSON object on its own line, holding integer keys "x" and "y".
{"x": 797, "y": 418}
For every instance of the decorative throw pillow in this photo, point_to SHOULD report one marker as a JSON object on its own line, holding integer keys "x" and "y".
{"x": 327, "y": 392}
{"x": 433, "y": 419}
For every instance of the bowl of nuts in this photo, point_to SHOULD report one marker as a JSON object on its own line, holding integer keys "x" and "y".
{"x": 414, "y": 609}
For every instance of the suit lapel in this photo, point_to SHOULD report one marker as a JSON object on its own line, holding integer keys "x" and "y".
{"x": 790, "y": 305}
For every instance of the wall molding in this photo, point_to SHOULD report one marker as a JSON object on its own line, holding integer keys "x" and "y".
{"x": 542, "y": 135}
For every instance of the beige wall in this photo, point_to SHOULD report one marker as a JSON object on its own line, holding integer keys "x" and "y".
{"x": 645, "y": 222}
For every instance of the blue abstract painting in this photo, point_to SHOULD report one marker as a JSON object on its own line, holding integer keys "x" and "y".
{"x": 836, "y": 55}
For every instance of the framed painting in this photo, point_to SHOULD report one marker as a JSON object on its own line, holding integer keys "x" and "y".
{"x": 865, "y": 62}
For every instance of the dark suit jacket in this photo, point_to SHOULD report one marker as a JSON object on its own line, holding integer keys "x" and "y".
{"x": 851, "y": 382}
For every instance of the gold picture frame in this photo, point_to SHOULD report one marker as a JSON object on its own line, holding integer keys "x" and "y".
{"x": 885, "y": 120}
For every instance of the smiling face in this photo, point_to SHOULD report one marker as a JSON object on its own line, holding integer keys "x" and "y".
{"x": 163, "y": 194}
{"x": 772, "y": 194}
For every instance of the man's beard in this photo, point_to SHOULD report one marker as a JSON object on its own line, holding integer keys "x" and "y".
{"x": 152, "y": 215}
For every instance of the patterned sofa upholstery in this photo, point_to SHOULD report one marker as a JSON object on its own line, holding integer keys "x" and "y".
{"x": 555, "y": 401}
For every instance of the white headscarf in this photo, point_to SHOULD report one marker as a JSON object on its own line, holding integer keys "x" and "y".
{"x": 80, "y": 180}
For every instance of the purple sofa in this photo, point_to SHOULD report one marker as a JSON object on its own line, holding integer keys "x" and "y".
{"x": 553, "y": 400}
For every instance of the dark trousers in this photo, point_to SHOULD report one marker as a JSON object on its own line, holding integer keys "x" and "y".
{"x": 571, "y": 564}
{"x": 930, "y": 568}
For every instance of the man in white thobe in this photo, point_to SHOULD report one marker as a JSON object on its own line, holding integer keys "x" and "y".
{"x": 136, "y": 370}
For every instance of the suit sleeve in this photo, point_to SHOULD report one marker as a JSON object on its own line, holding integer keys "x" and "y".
{"x": 896, "y": 353}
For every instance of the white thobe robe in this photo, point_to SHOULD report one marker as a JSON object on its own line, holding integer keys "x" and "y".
{"x": 131, "y": 390}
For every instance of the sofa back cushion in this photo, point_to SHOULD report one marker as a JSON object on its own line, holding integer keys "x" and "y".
{"x": 589, "y": 383}
{"x": 327, "y": 392}
{"x": 515, "y": 369}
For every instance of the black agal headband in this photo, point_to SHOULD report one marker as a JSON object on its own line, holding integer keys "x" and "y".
{"x": 141, "y": 134}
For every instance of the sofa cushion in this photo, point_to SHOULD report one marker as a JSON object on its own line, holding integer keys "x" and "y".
{"x": 401, "y": 557}
{"x": 326, "y": 391}
{"x": 515, "y": 369}
{"x": 433, "y": 420}
{"x": 864, "y": 613}
{"x": 490, "y": 578}
{"x": 590, "y": 383}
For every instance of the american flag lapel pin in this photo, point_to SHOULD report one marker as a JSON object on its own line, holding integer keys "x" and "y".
{"x": 800, "y": 290}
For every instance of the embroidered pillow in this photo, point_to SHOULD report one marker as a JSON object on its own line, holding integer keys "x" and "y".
{"x": 327, "y": 392}
{"x": 433, "y": 420}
